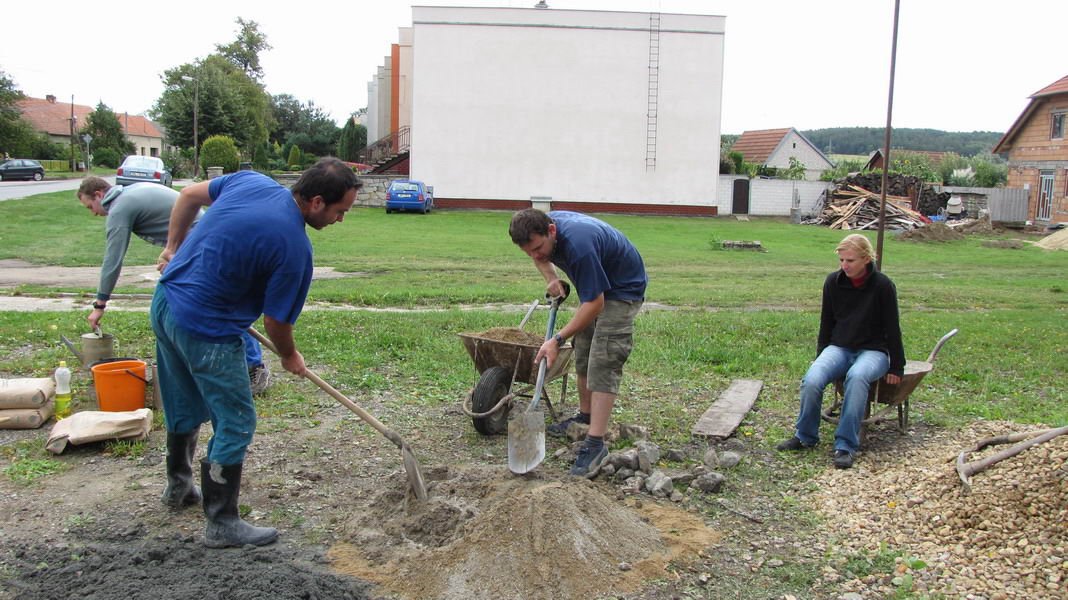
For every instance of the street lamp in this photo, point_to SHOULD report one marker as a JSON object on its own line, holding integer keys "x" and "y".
{"x": 196, "y": 109}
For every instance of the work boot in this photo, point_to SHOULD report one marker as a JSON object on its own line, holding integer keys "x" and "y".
{"x": 180, "y": 491}
{"x": 225, "y": 528}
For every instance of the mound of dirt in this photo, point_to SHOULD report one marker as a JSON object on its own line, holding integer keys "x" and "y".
{"x": 484, "y": 533}
{"x": 932, "y": 232}
{"x": 1055, "y": 241}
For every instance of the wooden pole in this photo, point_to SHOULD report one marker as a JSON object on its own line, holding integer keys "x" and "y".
{"x": 886, "y": 142}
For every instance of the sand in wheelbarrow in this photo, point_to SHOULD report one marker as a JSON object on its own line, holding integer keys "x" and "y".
{"x": 511, "y": 334}
{"x": 484, "y": 533}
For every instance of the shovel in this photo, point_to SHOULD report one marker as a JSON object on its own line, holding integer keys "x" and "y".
{"x": 526, "y": 430}
{"x": 411, "y": 466}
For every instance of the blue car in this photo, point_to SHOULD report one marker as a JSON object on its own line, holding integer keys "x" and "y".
{"x": 409, "y": 194}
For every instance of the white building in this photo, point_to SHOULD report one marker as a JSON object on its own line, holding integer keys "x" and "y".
{"x": 587, "y": 110}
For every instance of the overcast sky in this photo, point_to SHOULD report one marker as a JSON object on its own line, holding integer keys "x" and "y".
{"x": 962, "y": 65}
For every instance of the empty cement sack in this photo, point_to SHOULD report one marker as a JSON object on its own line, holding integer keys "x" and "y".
{"x": 26, "y": 392}
{"x": 25, "y": 418}
{"x": 97, "y": 425}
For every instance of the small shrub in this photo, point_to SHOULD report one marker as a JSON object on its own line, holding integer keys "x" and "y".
{"x": 219, "y": 151}
{"x": 294, "y": 159}
{"x": 106, "y": 157}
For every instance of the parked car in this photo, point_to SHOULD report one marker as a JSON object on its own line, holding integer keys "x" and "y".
{"x": 137, "y": 169}
{"x": 21, "y": 168}
{"x": 409, "y": 194}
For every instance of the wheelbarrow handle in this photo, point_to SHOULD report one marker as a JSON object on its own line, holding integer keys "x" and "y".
{"x": 941, "y": 342}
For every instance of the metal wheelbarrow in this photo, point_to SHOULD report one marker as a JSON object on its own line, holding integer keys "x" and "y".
{"x": 885, "y": 399}
{"x": 507, "y": 372}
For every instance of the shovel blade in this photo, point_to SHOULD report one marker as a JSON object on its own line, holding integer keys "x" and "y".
{"x": 526, "y": 441}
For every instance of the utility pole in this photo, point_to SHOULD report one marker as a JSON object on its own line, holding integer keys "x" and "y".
{"x": 196, "y": 109}
{"x": 73, "y": 164}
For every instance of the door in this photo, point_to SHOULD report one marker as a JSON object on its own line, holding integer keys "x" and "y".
{"x": 740, "y": 198}
{"x": 1045, "y": 196}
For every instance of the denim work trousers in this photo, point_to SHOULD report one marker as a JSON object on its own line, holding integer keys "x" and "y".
{"x": 253, "y": 352}
{"x": 201, "y": 380}
{"x": 860, "y": 368}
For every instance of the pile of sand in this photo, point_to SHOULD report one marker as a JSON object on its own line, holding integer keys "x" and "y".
{"x": 932, "y": 232}
{"x": 485, "y": 533}
{"x": 1055, "y": 241}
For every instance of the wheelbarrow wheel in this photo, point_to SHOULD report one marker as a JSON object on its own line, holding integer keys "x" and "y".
{"x": 492, "y": 386}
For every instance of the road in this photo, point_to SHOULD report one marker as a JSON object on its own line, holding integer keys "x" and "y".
{"x": 13, "y": 190}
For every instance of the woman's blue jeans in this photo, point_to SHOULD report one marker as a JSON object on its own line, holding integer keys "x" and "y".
{"x": 859, "y": 368}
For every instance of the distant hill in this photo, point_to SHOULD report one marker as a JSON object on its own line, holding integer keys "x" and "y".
{"x": 865, "y": 140}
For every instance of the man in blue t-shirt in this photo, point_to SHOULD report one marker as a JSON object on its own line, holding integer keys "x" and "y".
{"x": 248, "y": 256}
{"x": 609, "y": 278}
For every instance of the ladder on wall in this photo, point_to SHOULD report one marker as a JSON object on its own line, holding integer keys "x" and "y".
{"x": 654, "y": 91}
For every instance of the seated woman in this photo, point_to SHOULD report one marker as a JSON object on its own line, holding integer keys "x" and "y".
{"x": 859, "y": 340}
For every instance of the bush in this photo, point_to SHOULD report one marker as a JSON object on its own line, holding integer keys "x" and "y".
{"x": 106, "y": 157}
{"x": 294, "y": 160}
{"x": 219, "y": 151}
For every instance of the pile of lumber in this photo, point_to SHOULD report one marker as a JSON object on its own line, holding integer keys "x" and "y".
{"x": 850, "y": 206}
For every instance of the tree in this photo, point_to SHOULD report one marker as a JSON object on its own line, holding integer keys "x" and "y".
{"x": 230, "y": 104}
{"x": 244, "y": 52}
{"x": 17, "y": 136}
{"x": 104, "y": 127}
{"x": 353, "y": 139}
{"x": 303, "y": 124}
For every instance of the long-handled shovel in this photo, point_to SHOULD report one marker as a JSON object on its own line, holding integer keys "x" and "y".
{"x": 411, "y": 466}
{"x": 526, "y": 430}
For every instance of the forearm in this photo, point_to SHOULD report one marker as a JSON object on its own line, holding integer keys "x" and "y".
{"x": 547, "y": 270}
{"x": 281, "y": 335}
{"x": 587, "y": 312}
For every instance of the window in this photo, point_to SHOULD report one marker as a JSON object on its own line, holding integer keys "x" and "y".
{"x": 1057, "y": 130}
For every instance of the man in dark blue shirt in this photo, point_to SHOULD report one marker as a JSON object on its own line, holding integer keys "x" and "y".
{"x": 249, "y": 255}
{"x": 609, "y": 278}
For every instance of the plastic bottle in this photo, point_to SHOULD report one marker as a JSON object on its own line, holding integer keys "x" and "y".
{"x": 62, "y": 390}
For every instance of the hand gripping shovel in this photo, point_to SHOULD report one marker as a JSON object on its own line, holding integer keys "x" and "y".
{"x": 411, "y": 466}
{"x": 526, "y": 430}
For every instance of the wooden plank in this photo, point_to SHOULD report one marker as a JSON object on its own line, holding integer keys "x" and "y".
{"x": 727, "y": 412}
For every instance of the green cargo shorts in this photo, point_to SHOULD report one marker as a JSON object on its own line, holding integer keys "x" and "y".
{"x": 602, "y": 349}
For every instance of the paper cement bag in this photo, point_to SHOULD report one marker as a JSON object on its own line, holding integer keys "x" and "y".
{"x": 30, "y": 392}
{"x": 25, "y": 418}
{"x": 96, "y": 425}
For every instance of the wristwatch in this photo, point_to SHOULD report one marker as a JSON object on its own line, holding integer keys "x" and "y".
{"x": 559, "y": 340}
{"x": 99, "y": 305}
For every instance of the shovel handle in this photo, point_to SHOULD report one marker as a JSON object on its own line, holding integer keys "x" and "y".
{"x": 329, "y": 389}
{"x": 543, "y": 363}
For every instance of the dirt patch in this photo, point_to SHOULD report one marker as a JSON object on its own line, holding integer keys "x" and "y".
{"x": 487, "y": 534}
{"x": 14, "y": 272}
{"x": 172, "y": 571}
{"x": 932, "y": 232}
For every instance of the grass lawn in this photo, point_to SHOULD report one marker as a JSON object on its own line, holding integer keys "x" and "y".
{"x": 725, "y": 315}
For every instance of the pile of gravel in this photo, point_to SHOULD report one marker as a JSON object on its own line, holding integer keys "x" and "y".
{"x": 1008, "y": 538}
